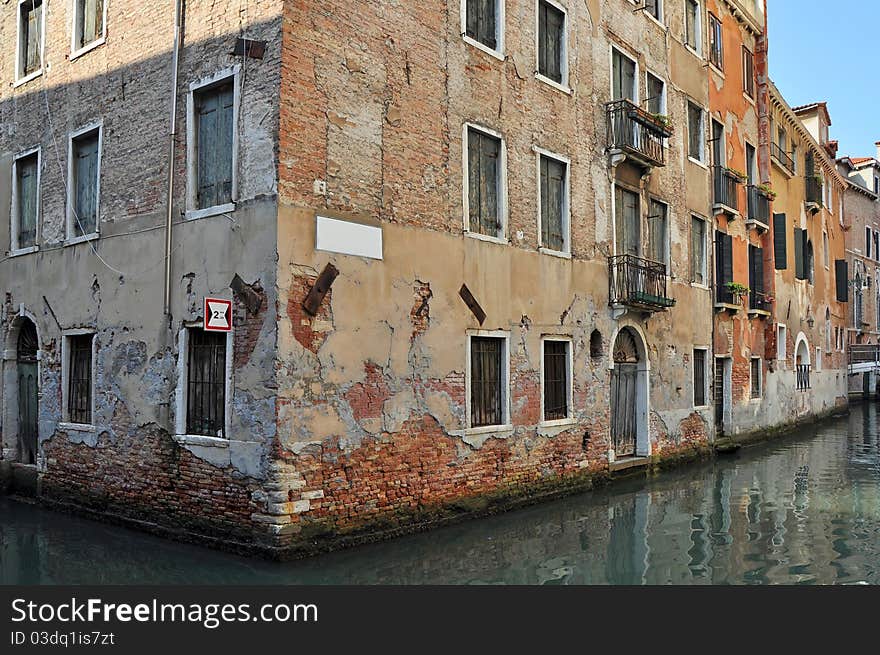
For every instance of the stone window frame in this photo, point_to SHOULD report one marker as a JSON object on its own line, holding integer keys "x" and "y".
{"x": 193, "y": 212}
{"x": 705, "y": 253}
{"x": 498, "y": 52}
{"x": 20, "y": 78}
{"x": 706, "y": 377}
{"x": 502, "y": 183}
{"x": 703, "y": 160}
{"x": 570, "y": 418}
{"x": 14, "y": 248}
{"x": 69, "y": 213}
{"x": 564, "y": 85}
{"x": 566, "y": 217}
{"x": 698, "y": 29}
{"x": 65, "y": 423}
{"x": 507, "y": 425}
{"x": 76, "y": 52}
{"x": 760, "y": 379}
{"x": 181, "y": 396}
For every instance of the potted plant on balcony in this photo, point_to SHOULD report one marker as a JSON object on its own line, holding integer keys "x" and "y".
{"x": 738, "y": 174}
{"x": 663, "y": 123}
{"x": 767, "y": 191}
{"x": 738, "y": 291}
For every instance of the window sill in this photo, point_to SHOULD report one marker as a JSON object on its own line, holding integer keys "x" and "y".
{"x": 719, "y": 72}
{"x": 558, "y": 423}
{"x": 82, "y": 239}
{"x": 201, "y": 440}
{"x": 782, "y": 167}
{"x": 702, "y": 407}
{"x": 556, "y": 85}
{"x": 656, "y": 21}
{"x": 485, "y": 237}
{"x": 482, "y": 46}
{"x": 488, "y": 429}
{"x": 216, "y": 210}
{"x": 698, "y": 163}
{"x": 76, "y": 54}
{"x": 750, "y": 99}
{"x": 77, "y": 427}
{"x": 758, "y": 313}
{"x": 697, "y": 285}
{"x": 692, "y": 51}
{"x": 555, "y": 253}
{"x": 27, "y": 78}
{"x": 18, "y": 252}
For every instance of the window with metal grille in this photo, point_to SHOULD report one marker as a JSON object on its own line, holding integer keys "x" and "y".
{"x": 26, "y": 203}
{"x": 551, "y": 41}
{"x": 30, "y": 37}
{"x": 699, "y": 378}
{"x": 556, "y": 380}
{"x": 206, "y": 384}
{"x": 481, "y": 22}
{"x": 756, "y": 371}
{"x": 214, "y": 108}
{"x": 554, "y": 228}
{"x": 85, "y": 154}
{"x": 79, "y": 380}
{"x": 484, "y": 183}
{"x": 487, "y": 381}
{"x": 716, "y": 43}
{"x": 89, "y": 24}
{"x": 748, "y": 73}
{"x": 692, "y": 25}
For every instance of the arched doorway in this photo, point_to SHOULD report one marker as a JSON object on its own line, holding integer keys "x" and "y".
{"x": 629, "y": 396}
{"x": 26, "y": 368}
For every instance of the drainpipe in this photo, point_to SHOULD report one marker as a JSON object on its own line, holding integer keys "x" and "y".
{"x": 175, "y": 71}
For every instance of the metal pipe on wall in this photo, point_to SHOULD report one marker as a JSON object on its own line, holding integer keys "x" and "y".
{"x": 175, "y": 73}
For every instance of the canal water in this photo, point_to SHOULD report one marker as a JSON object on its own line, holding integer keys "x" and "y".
{"x": 804, "y": 509}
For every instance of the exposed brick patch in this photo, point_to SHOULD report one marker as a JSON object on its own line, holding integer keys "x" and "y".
{"x": 302, "y": 324}
{"x": 420, "y": 315}
{"x": 367, "y": 398}
{"x": 247, "y": 326}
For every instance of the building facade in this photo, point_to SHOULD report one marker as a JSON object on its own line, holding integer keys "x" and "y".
{"x": 470, "y": 249}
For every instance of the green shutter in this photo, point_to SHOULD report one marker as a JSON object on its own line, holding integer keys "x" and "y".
{"x": 780, "y": 249}
{"x": 841, "y": 274}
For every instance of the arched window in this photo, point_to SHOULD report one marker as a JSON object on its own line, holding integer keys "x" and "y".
{"x": 596, "y": 344}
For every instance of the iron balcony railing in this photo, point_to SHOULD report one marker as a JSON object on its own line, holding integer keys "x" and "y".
{"x": 726, "y": 187}
{"x": 637, "y": 132}
{"x": 759, "y": 301}
{"x": 803, "y": 377}
{"x": 759, "y": 205}
{"x": 639, "y": 283}
{"x": 864, "y": 354}
{"x": 782, "y": 157}
{"x": 814, "y": 189}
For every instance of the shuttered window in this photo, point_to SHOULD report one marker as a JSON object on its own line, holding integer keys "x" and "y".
{"x": 748, "y": 72}
{"x": 841, "y": 279}
{"x": 658, "y": 231}
{"x": 84, "y": 186}
{"x": 556, "y": 382}
{"x": 553, "y": 204}
{"x": 481, "y": 22}
{"x": 699, "y": 378}
{"x": 780, "y": 245}
{"x": 487, "y": 381}
{"x": 756, "y": 270}
{"x": 206, "y": 383}
{"x": 27, "y": 199}
{"x": 79, "y": 382}
{"x": 215, "y": 126}
{"x": 698, "y": 250}
{"x": 484, "y": 183}
{"x": 551, "y": 41}
{"x": 30, "y": 37}
{"x": 723, "y": 266}
{"x": 89, "y": 22}
{"x": 801, "y": 269}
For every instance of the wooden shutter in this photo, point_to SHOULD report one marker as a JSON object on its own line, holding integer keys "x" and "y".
{"x": 780, "y": 249}
{"x": 472, "y": 17}
{"x": 551, "y": 33}
{"x": 552, "y": 203}
{"x": 756, "y": 269}
{"x": 697, "y": 249}
{"x": 33, "y": 37}
{"x": 489, "y": 219}
{"x": 480, "y": 21}
{"x": 215, "y": 139}
{"x": 799, "y": 268}
{"x": 86, "y": 182}
{"x": 723, "y": 259}
{"x": 26, "y": 169}
{"x": 841, "y": 275}
{"x": 657, "y": 228}
{"x": 474, "y": 171}
{"x": 543, "y": 40}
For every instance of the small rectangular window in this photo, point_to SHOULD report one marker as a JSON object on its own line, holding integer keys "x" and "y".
{"x": 656, "y": 101}
{"x": 89, "y": 25}
{"x": 756, "y": 372}
{"x": 781, "y": 345}
{"x": 206, "y": 383}
{"x": 79, "y": 379}
{"x": 30, "y": 37}
{"x": 551, "y": 42}
{"x": 692, "y": 25}
{"x": 554, "y": 204}
{"x": 84, "y": 186}
{"x": 658, "y": 231}
{"x": 484, "y": 183}
{"x": 557, "y": 384}
{"x": 748, "y": 73}
{"x": 698, "y": 250}
{"x": 696, "y": 132}
{"x": 699, "y": 378}
{"x": 214, "y": 109}
{"x": 481, "y": 22}
{"x": 487, "y": 381}
{"x": 26, "y": 198}
{"x": 716, "y": 42}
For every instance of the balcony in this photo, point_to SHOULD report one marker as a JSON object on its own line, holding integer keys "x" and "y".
{"x": 863, "y": 358}
{"x": 813, "y": 192}
{"x": 760, "y": 304}
{"x": 638, "y": 283}
{"x": 637, "y": 133}
{"x": 726, "y": 185}
{"x": 759, "y": 208}
{"x": 782, "y": 157}
{"x": 728, "y": 297}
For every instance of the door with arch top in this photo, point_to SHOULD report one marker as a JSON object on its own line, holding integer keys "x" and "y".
{"x": 624, "y": 395}
{"x": 26, "y": 363}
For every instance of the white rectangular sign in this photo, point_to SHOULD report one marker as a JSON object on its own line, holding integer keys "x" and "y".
{"x": 347, "y": 238}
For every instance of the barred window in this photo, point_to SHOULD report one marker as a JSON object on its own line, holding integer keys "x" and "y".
{"x": 79, "y": 379}
{"x": 756, "y": 377}
{"x": 488, "y": 379}
{"x": 699, "y": 378}
{"x": 206, "y": 383}
{"x": 556, "y": 380}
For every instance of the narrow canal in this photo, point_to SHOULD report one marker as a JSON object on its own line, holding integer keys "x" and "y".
{"x": 804, "y": 509}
